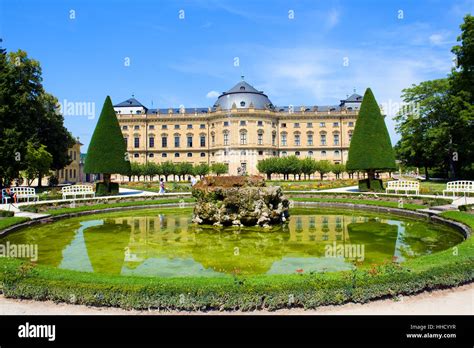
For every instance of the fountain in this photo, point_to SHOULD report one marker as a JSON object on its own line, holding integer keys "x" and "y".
{"x": 239, "y": 201}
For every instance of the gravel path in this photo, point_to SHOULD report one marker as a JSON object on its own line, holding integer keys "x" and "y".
{"x": 454, "y": 301}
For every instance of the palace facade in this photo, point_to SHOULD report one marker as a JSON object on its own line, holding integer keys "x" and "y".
{"x": 240, "y": 129}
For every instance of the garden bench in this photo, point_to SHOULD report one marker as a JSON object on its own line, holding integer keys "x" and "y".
{"x": 21, "y": 193}
{"x": 77, "y": 190}
{"x": 403, "y": 185}
{"x": 460, "y": 186}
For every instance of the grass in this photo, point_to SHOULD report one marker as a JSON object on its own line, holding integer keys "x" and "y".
{"x": 62, "y": 211}
{"x": 409, "y": 206}
{"x": 10, "y": 221}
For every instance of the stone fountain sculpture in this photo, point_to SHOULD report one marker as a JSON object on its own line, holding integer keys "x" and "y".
{"x": 238, "y": 201}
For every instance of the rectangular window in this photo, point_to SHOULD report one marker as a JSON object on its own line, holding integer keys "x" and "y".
{"x": 226, "y": 123}
{"x": 190, "y": 126}
{"x": 335, "y": 124}
{"x": 151, "y": 142}
{"x": 164, "y": 126}
{"x": 310, "y": 139}
{"x": 136, "y": 127}
{"x": 176, "y": 141}
{"x": 297, "y": 140}
{"x": 243, "y": 138}
{"x": 322, "y": 124}
{"x": 213, "y": 139}
{"x": 273, "y": 139}
{"x": 297, "y": 125}
{"x": 226, "y": 138}
{"x": 164, "y": 141}
{"x": 124, "y": 127}
{"x": 176, "y": 126}
{"x": 309, "y": 125}
{"x": 260, "y": 123}
{"x": 336, "y": 139}
{"x": 151, "y": 126}
{"x": 323, "y": 139}
{"x": 283, "y": 139}
{"x": 243, "y": 123}
{"x": 136, "y": 142}
{"x": 190, "y": 141}
{"x": 202, "y": 126}
{"x": 283, "y": 125}
{"x": 351, "y": 124}
{"x": 126, "y": 141}
{"x": 202, "y": 140}
{"x": 260, "y": 139}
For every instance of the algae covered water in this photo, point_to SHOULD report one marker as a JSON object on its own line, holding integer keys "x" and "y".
{"x": 165, "y": 243}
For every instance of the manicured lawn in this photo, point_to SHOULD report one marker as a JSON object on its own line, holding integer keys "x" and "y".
{"x": 389, "y": 204}
{"x": 61, "y": 211}
{"x": 10, "y": 221}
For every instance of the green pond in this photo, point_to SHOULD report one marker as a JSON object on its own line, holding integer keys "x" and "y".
{"x": 165, "y": 243}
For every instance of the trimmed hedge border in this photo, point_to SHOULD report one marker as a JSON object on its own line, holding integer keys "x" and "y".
{"x": 21, "y": 279}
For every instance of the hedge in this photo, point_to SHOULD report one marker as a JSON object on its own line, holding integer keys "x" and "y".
{"x": 22, "y": 279}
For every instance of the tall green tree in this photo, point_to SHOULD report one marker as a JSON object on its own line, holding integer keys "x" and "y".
{"x": 27, "y": 112}
{"x": 370, "y": 149}
{"x": 438, "y": 133}
{"x": 107, "y": 152}
{"x": 38, "y": 162}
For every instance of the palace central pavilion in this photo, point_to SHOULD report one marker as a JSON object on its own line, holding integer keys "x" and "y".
{"x": 241, "y": 128}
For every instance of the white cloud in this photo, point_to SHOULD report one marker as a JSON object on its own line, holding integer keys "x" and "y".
{"x": 212, "y": 95}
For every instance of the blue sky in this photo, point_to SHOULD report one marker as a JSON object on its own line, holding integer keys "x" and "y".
{"x": 386, "y": 45}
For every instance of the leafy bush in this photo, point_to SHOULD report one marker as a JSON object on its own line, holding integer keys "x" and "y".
{"x": 375, "y": 185}
{"x": 104, "y": 189}
{"x": 6, "y": 213}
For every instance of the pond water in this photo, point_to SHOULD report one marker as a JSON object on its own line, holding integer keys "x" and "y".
{"x": 165, "y": 243}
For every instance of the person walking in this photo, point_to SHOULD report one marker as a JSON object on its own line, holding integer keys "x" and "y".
{"x": 162, "y": 186}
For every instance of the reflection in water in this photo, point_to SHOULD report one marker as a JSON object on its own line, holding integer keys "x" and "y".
{"x": 156, "y": 244}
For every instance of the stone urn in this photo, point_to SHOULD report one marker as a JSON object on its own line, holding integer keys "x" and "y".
{"x": 238, "y": 201}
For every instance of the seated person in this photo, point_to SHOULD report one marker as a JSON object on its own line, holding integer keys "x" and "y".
{"x": 11, "y": 194}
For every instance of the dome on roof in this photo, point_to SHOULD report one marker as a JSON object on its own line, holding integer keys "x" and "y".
{"x": 243, "y": 96}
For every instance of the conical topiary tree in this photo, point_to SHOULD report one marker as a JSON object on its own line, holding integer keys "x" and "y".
{"x": 107, "y": 152}
{"x": 370, "y": 149}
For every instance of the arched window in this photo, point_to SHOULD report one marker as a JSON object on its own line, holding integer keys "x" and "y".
{"x": 310, "y": 153}
{"x": 297, "y": 153}
{"x": 323, "y": 153}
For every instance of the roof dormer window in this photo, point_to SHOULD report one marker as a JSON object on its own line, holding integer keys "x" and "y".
{"x": 242, "y": 103}
{"x": 242, "y": 88}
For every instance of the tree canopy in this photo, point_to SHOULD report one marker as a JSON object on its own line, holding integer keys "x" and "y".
{"x": 27, "y": 113}
{"x": 437, "y": 132}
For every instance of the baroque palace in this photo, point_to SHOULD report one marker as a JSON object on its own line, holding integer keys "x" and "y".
{"x": 240, "y": 129}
